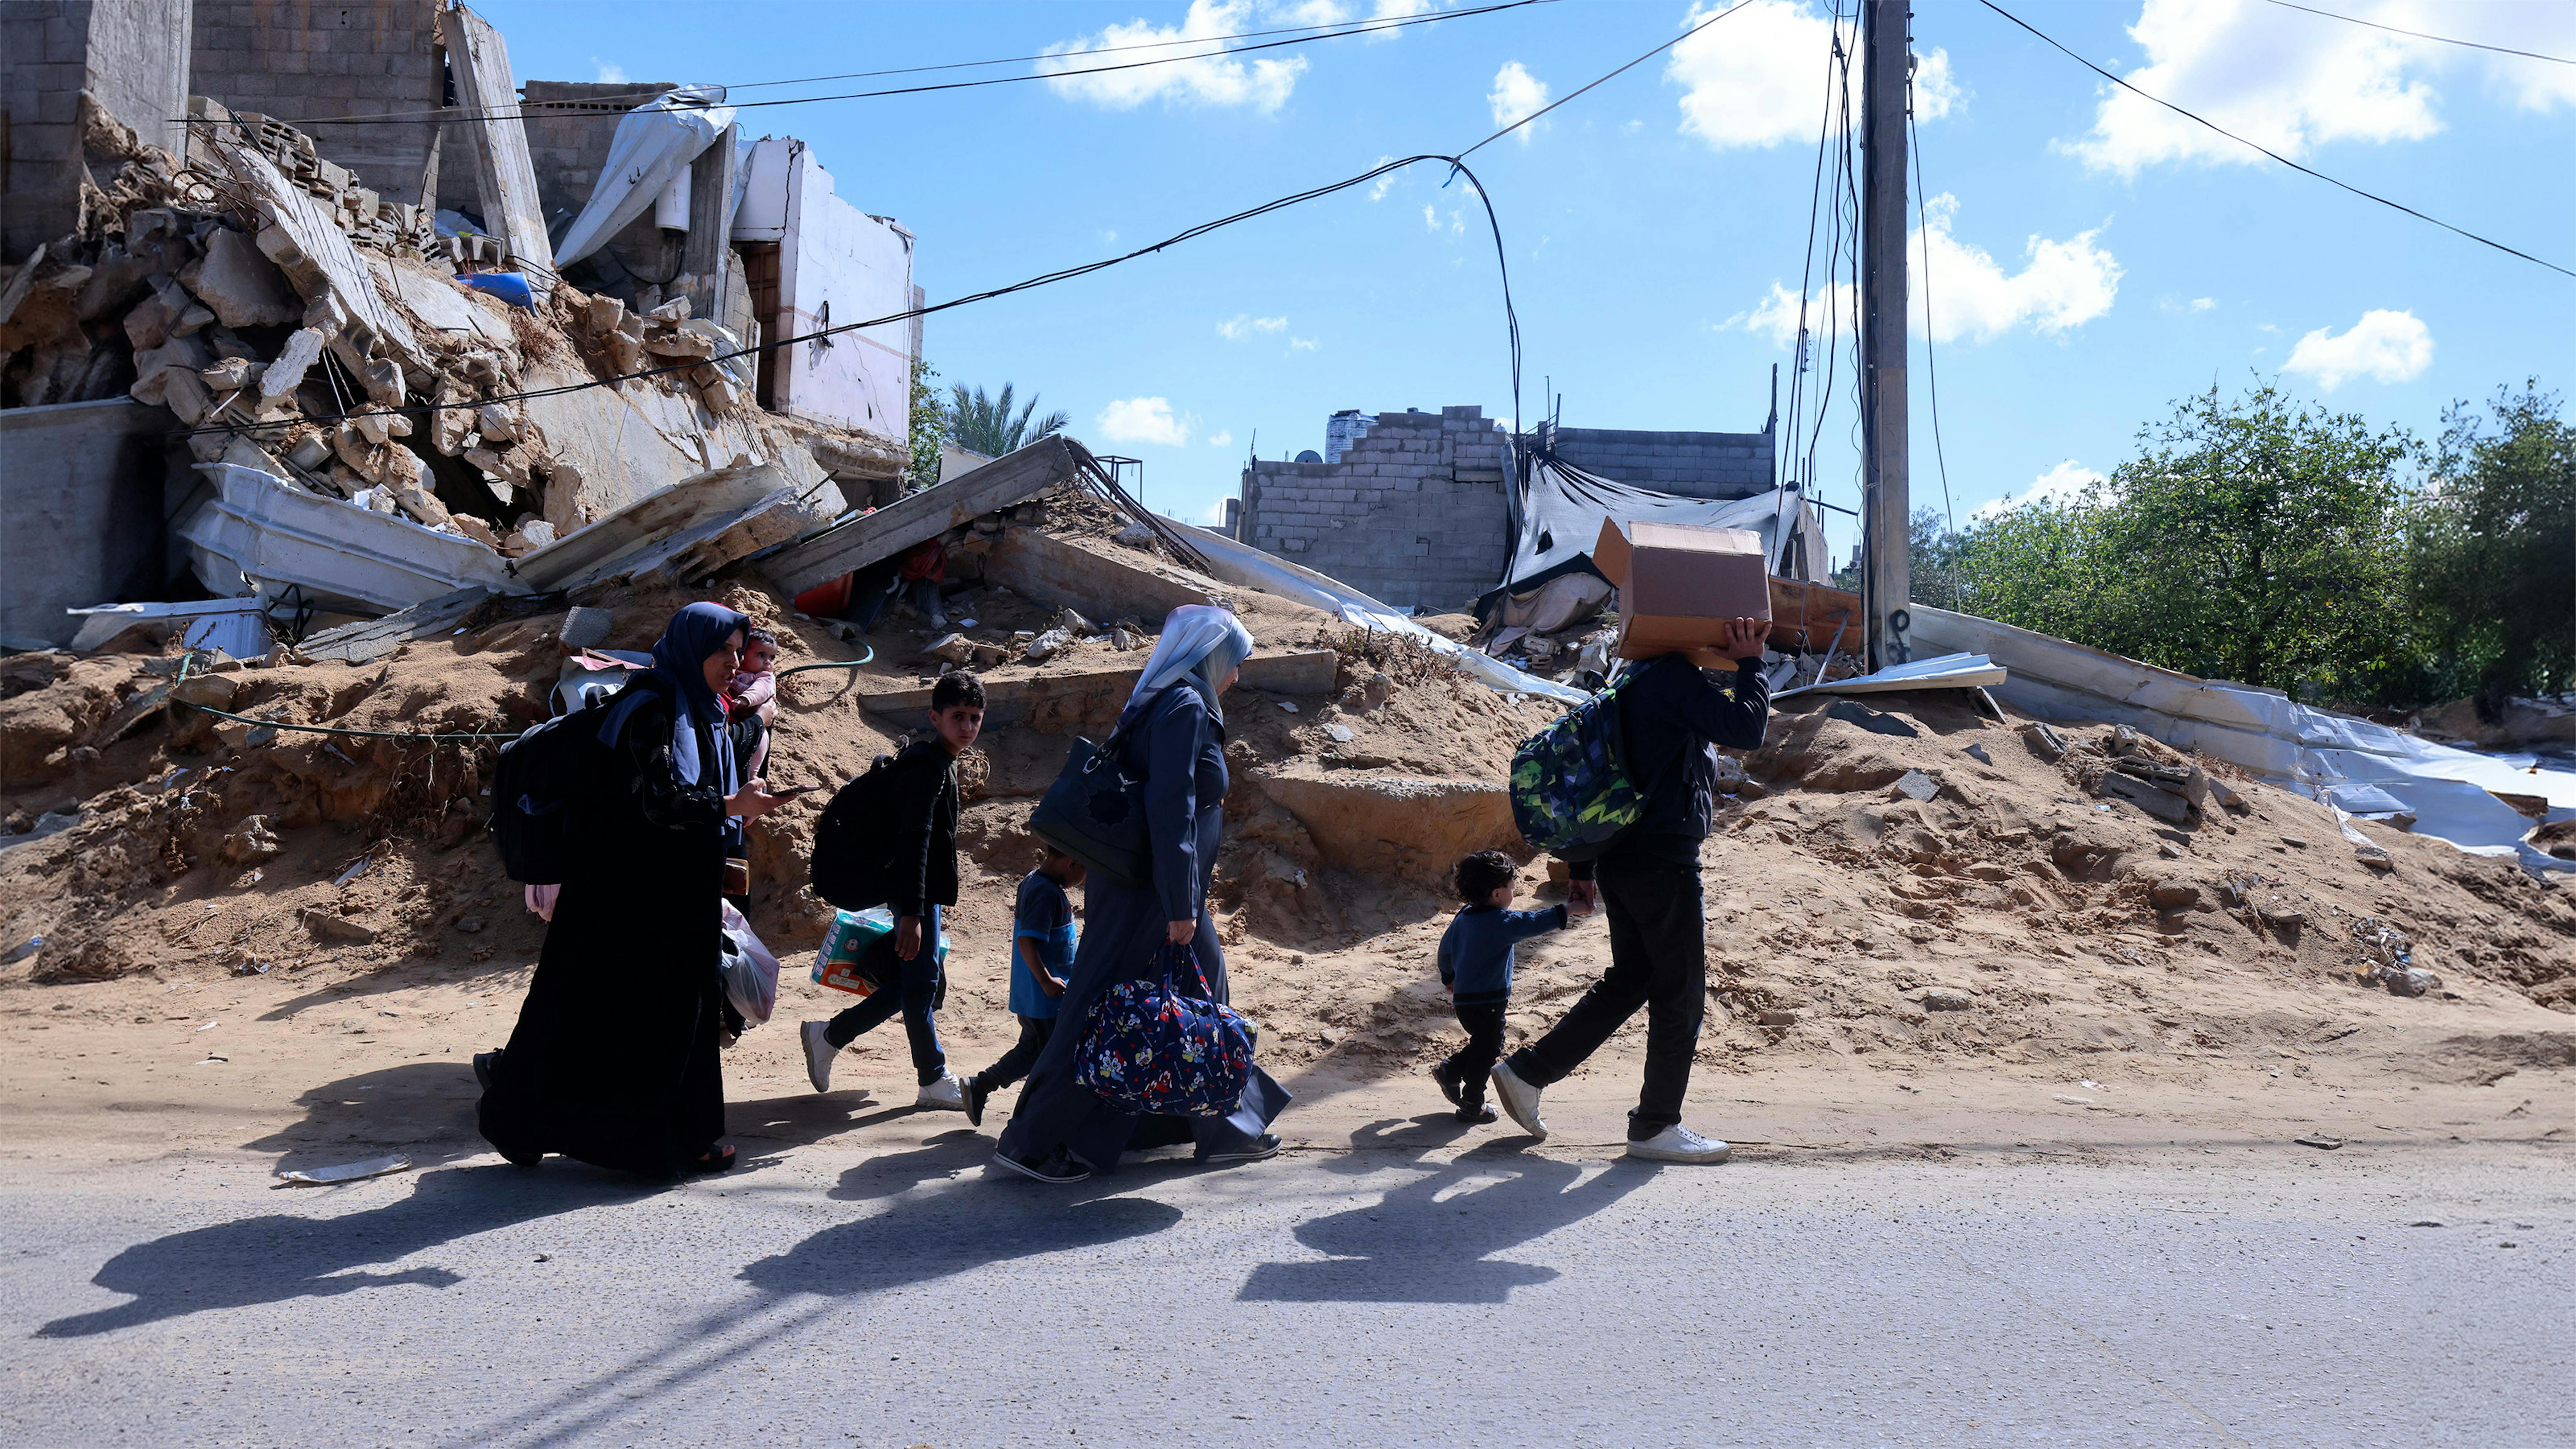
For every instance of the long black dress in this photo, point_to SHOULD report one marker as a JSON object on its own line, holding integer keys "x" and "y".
{"x": 1179, "y": 747}
{"x": 615, "y": 1058}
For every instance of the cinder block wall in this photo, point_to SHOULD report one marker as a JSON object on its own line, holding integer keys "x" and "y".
{"x": 1697, "y": 465}
{"x": 569, "y": 124}
{"x": 300, "y": 61}
{"x": 1414, "y": 513}
{"x": 131, "y": 54}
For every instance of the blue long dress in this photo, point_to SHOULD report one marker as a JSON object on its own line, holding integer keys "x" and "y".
{"x": 1180, "y": 747}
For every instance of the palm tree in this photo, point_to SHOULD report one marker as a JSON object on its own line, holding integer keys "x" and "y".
{"x": 984, "y": 425}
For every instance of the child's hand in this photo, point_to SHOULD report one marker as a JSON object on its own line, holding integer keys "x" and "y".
{"x": 1051, "y": 985}
{"x": 1581, "y": 903}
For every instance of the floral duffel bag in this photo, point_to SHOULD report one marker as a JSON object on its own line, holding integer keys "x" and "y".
{"x": 1153, "y": 1051}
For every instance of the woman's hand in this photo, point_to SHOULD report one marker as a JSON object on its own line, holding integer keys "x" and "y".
{"x": 907, "y": 937}
{"x": 1181, "y": 933}
{"x": 753, "y": 801}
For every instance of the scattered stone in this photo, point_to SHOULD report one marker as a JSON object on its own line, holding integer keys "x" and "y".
{"x": 1048, "y": 645}
{"x": 244, "y": 288}
{"x": 251, "y": 840}
{"x": 1776, "y": 1016}
{"x": 470, "y": 925}
{"x": 2161, "y": 803}
{"x": 2044, "y": 741}
{"x": 1946, "y": 1001}
{"x": 1978, "y": 754}
{"x": 328, "y": 927}
{"x": 1917, "y": 786}
{"x": 953, "y": 648}
{"x": 2299, "y": 841}
{"x": 1073, "y": 623}
{"x": 2319, "y": 1140}
{"x": 584, "y": 628}
{"x": 2374, "y": 857}
{"x": 2174, "y": 895}
{"x": 1341, "y": 733}
{"x": 1283, "y": 704}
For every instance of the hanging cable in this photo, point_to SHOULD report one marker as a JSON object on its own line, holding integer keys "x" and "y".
{"x": 2268, "y": 151}
{"x": 1931, "y": 368}
{"x": 2420, "y": 35}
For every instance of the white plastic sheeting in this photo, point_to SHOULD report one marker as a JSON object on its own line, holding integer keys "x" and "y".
{"x": 1248, "y": 567}
{"x": 655, "y": 142}
{"x": 1946, "y": 671}
{"x": 2313, "y": 751}
{"x": 1562, "y": 510}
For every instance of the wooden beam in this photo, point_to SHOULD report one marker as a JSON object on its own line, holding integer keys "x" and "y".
{"x": 917, "y": 518}
{"x": 504, "y": 177}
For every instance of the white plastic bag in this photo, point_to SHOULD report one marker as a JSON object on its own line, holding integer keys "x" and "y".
{"x": 749, "y": 972}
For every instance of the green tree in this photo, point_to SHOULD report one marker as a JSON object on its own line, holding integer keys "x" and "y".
{"x": 985, "y": 425}
{"x": 929, "y": 426}
{"x": 2492, "y": 549}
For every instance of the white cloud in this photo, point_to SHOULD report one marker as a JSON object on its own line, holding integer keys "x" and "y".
{"x": 1144, "y": 420}
{"x": 610, "y": 73}
{"x": 1205, "y": 79}
{"x": 1303, "y": 344}
{"x": 1776, "y": 316}
{"x": 1243, "y": 324}
{"x": 2062, "y": 284}
{"x": 1310, "y": 12}
{"x": 1456, "y": 225}
{"x": 2294, "y": 82}
{"x": 1378, "y": 192}
{"x": 2066, "y": 483}
{"x": 1222, "y": 438}
{"x": 2384, "y": 346}
{"x": 2203, "y": 304}
{"x": 1517, "y": 95}
{"x": 1757, "y": 77}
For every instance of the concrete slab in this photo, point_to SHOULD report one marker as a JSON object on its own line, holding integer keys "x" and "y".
{"x": 922, "y": 516}
{"x": 1094, "y": 580}
{"x": 1070, "y": 701}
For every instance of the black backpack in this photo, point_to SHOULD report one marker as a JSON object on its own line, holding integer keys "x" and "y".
{"x": 534, "y": 788}
{"x": 853, "y": 860}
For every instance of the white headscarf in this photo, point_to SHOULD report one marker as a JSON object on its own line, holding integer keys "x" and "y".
{"x": 1201, "y": 644}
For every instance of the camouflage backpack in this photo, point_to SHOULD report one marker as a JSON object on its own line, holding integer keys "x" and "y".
{"x": 1572, "y": 790}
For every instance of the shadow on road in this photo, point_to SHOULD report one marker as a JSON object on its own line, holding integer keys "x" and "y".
{"x": 278, "y": 1256}
{"x": 1432, "y": 1240}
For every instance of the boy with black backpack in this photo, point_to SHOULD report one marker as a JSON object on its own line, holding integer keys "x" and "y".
{"x": 915, "y": 799}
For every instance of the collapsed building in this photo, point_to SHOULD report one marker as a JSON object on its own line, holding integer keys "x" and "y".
{"x": 235, "y": 355}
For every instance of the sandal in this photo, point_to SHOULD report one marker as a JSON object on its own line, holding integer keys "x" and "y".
{"x": 714, "y": 1160}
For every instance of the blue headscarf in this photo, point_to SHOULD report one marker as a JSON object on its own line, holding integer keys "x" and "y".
{"x": 679, "y": 673}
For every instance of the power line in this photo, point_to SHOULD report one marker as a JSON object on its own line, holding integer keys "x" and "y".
{"x": 2268, "y": 151}
{"x": 2420, "y": 35}
{"x": 523, "y": 111}
{"x": 1931, "y": 367}
{"x": 1640, "y": 60}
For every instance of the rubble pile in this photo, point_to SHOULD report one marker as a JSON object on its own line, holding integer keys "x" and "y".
{"x": 1894, "y": 878}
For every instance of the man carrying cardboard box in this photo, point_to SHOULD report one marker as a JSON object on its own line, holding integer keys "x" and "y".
{"x": 1647, "y": 879}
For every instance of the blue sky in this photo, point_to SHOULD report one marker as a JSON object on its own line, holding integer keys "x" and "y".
{"x": 2090, "y": 263}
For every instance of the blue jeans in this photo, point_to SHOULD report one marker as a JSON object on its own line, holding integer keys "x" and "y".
{"x": 916, "y": 995}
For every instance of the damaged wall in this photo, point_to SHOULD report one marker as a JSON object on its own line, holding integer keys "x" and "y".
{"x": 299, "y": 61}
{"x": 1413, "y": 514}
{"x": 1695, "y": 465}
{"x": 131, "y": 55}
{"x": 836, "y": 264}
{"x": 80, "y": 512}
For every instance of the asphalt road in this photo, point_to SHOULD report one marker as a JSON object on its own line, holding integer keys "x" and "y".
{"x": 872, "y": 1285}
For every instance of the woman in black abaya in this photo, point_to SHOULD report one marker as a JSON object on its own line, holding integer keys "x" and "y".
{"x": 614, "y": 1059}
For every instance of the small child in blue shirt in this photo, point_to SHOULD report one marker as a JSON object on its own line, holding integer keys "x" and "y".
{"x": 1042, "y": 944}
{"x": 1476, "y": 966}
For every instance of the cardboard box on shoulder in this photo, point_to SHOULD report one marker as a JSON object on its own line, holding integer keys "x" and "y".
{"x": 1680, "y": 584}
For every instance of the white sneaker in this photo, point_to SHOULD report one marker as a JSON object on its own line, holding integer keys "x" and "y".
{"x": 1520, "y": 1099}
{"x": 1678, "y": 1143}
{"x": 819, "y": 1052}
{"x": 947, "y": 1094}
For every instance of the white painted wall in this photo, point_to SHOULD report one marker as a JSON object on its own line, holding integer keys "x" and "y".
{"x": 836, "y": 265}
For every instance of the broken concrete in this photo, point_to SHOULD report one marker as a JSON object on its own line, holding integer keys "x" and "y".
{"x": 923, "y": 516}
{"x": 1064, "y": 571}
{"x": 243, "y": 287}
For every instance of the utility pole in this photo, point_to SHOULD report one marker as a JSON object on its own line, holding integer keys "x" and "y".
{"x": 1887, "y": 61}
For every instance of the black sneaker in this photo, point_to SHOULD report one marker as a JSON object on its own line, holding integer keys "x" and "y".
{"x": 484, "y": 1062}
{"x": 1265, "y": 1145}
{"x": 1450, "y": 1083}
{"x": 1058, "y": 1166}
{"x": 975, "y": 1094}
{"x": 1481, "y": 1113}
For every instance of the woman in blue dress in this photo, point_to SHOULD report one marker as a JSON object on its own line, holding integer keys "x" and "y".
{"x": 1172, "y": 734}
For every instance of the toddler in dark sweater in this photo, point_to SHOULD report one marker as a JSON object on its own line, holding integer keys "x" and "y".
{"x": 1476, "y": 966}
